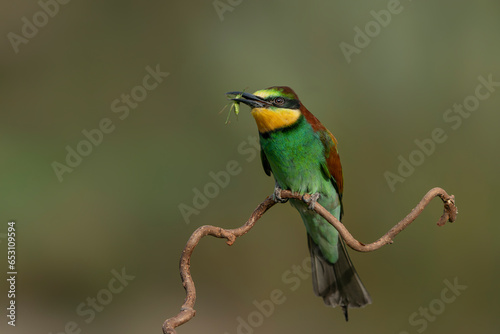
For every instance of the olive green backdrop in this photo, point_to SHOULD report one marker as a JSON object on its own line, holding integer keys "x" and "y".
{"x": 116, "y": 209}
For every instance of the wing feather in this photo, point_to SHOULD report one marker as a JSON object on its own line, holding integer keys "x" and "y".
{"x": 331, "y": 166}
{"x": 265, "y": 163}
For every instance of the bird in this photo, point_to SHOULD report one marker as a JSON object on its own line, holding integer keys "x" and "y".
{"x": 302, "y": 156}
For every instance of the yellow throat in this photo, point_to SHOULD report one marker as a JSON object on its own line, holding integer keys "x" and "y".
{"x": 269, "y": 120}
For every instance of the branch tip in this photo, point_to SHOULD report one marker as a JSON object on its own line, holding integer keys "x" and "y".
{"x": 230, "y": 240}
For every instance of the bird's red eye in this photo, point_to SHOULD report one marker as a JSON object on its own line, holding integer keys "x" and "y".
{"x": 279, "y": 101}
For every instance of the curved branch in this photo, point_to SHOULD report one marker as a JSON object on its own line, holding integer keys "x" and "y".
{"x": 449, "y": 214}
{"x": 187, "y": 310}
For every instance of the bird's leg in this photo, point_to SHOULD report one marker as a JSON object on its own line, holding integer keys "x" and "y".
{"x": 312, "y": 200}
{"x": 277, "y": 194}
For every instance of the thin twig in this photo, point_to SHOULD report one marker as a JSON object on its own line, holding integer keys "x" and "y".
{"x": 187, "y": 310}
{"x": 449, "y": 214}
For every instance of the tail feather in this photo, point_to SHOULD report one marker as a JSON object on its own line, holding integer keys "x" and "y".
{"x": 338, "y": 284}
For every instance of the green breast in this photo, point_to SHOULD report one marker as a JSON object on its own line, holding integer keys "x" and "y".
{"x": 295, "y": 155}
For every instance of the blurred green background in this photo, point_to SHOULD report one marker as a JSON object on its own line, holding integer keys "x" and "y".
{"x": 119, "y": 207}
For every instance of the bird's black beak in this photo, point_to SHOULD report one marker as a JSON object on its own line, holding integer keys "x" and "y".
{"x": 248, "y": 99}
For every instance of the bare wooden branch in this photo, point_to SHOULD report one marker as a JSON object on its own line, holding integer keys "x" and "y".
{"x": 449, "y": 214}
{"x": 187, "y": 310}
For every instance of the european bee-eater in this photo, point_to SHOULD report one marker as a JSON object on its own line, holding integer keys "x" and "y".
{"x": 302, "y": 155}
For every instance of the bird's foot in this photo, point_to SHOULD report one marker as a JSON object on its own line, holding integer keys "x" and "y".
{"x": 311, "y": 200}
{"x": 277, "y": 194}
